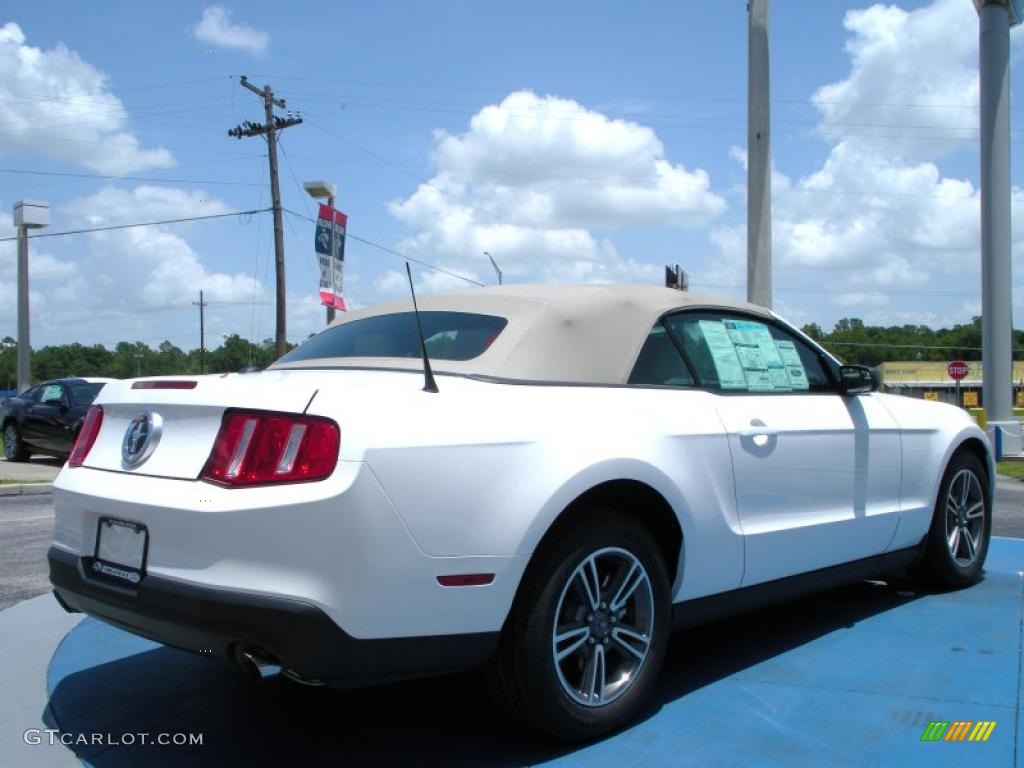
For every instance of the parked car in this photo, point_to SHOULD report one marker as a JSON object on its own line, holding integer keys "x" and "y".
{"x": 600, "y": 465}
{"x": 47, "y": 417}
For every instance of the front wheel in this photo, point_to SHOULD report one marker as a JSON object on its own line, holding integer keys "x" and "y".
{"x": 14, "y": 448}
{"x": 586, "y": 638}
{"x": 961, "y": 526}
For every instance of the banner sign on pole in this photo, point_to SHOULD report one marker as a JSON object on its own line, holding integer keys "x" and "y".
{"x": 330, "y": 253}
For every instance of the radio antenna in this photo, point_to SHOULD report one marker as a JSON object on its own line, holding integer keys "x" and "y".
{"x": 428, "y": 375}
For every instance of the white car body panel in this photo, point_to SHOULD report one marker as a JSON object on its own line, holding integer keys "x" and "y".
{"x": 795, "y": 520}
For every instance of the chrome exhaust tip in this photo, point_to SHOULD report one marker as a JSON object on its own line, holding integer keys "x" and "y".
{"x": 294, "y": 676}
{"x": 256, "y": 665}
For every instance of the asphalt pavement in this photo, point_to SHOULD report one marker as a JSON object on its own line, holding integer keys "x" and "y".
{"x": 26, "y": 528}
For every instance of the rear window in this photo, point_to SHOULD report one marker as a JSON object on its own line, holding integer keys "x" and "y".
{"x": 449, "y": 336}
{"x": 84, "y": 394}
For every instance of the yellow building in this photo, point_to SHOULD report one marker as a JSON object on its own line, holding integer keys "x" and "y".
{"x": 931, "y": 381}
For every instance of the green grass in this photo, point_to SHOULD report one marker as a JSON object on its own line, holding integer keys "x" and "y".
{"x": 11, "y": 481}
{"x": 1011, "y": 469}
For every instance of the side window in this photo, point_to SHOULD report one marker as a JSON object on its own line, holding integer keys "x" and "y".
{"x": 660, "y": 363}
{"x": 738, "y": 354}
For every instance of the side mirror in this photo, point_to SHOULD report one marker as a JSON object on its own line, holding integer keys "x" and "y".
{"x": 858, "y": 380}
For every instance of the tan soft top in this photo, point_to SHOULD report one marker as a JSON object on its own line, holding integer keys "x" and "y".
{"x": 557, "y": 333}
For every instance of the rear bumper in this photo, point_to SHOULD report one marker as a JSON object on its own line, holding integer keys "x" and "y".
{"x": 296, "y": 634}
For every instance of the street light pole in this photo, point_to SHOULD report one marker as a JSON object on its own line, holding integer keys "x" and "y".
{"x": 28, "y": 214}
{"x": 995, "y": 19}
{"x": 494, "y": 264}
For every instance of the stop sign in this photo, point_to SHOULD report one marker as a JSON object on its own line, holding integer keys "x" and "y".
{"x": 957, "y": 370}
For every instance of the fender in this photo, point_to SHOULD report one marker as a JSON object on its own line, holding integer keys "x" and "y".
{"x": 603, "y": 472}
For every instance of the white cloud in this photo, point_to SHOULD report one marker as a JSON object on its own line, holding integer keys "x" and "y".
{"x": 913, "y": 74}
{"x": 57, "y": 105}
{"x": 158, "y": 264}
{"x": 531, "y": 178}
{"x": 216, "y": 27}
{"x": 879, "y": 223}
{"x": 136, "y": 283}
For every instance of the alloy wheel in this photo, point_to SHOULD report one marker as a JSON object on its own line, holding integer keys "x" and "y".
{"x": 603, "y": 625}
{"x": 965, "y": 517}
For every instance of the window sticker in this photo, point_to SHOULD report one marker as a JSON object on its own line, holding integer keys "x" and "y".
{"x": 723, "y": 353}
{"x": 794, "y": 365}
{"x": 762, "y": 362}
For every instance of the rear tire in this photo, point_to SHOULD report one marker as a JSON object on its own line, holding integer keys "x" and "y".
{"x": 961, "y": 526}
{"x": 14, "y": 448}
{"x": 585, "y": 641}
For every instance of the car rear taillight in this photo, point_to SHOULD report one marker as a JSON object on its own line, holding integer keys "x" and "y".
{"x": 86, "y": 436}
{"x": 262, "y": 448}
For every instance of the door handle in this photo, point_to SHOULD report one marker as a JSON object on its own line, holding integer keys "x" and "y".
{"x": 758, "y": 428}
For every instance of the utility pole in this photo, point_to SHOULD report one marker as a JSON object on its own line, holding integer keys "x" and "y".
{"x": 202, "y": 332}
{"x": 995, "y": 19}
{"x": 269, "y": 129}
{"x": 759, "y": 163}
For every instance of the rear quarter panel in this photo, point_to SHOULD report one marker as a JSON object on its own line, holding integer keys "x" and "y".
{"x": 484, "y": 469}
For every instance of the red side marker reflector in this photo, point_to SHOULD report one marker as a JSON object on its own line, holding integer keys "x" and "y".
{"x": 165, "y": 384}
{"x": 466, "y": 580}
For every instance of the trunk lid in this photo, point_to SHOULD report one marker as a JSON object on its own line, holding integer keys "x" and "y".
{"x": 191, "y": 418}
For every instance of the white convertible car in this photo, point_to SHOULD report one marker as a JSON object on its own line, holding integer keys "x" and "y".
{"x": 600, "y": 465}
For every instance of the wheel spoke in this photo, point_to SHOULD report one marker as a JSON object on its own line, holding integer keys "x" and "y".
{"x": 575, "y": 637}
{"x": 594, "y": 676}
{"x": 969, "y": 543}
{"x": 634, "y": 579}
{"x": 976, "y": 510}
{"x": 589, "y": 583}
{"x": 954, "y": 541}
{"x": 623, "y": 634}
{"x": 965, "y": 488}
{"x": 952, "y": 507}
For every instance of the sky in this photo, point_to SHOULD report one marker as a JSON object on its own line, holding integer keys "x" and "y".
{"x": 577, "y": 141}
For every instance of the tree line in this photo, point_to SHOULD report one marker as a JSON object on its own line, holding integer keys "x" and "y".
{"x": 850, "y": 340}
{"x": 856, "y": 343}
{"x": 130, "y": 359}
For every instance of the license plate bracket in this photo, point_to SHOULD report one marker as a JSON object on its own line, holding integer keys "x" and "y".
{"x": 121, "y": 549}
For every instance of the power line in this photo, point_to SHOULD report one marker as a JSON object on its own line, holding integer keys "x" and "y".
{"x": 893, "y": 346}
{"x": 138, "y": 224}
{"x": 125, "y": 178}
{"x": 378, "y": 246}
{"x": 605, "y": 94}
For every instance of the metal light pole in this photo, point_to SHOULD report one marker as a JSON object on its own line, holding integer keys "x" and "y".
{"x": 494, "y": 264}
{"x": 759, "y": 162}
{"x": 319, "y": 190}
{"x": 28, "y": 214}
{"x": 995, "y": 19}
